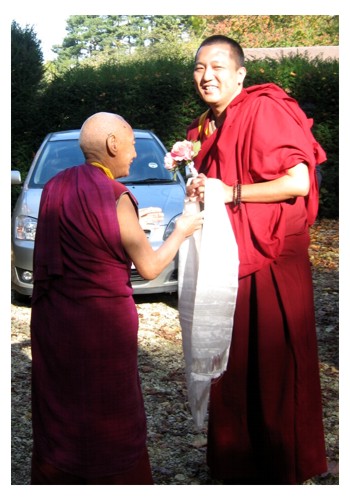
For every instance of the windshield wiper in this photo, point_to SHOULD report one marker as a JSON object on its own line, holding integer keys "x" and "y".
{"x": 151, "y": 180}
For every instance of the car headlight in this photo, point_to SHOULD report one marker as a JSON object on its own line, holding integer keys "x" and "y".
{"x": 25, "y": 227}
{"x": 170, "y": 227}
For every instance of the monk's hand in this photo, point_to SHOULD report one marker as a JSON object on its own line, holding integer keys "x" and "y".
{"x": 195, "y": 190}
{"x": 188, "y": 224}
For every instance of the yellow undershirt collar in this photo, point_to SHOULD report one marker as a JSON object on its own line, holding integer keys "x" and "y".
{"x": 105, "y": 169}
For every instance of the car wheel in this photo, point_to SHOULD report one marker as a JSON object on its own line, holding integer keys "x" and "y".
{"x": 20, "y": 298}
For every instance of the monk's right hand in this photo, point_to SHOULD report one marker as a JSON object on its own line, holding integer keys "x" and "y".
{"x": 188, "y": 224}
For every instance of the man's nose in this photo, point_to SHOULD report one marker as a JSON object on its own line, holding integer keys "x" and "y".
{"x": 208, "y": 73}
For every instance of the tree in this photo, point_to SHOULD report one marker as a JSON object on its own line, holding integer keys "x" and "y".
{"x": 27, "y": 71}
{"x": 273, "y": 31}
{"x": 26, "y": 75}
{"x": 97, "y": 39}
{"x": 26, "y": 68}
{"x": 101, "y": 38}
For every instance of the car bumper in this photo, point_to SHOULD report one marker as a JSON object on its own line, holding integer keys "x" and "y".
{"x": 166, "y": 282}
{"x": 22, "y": 261}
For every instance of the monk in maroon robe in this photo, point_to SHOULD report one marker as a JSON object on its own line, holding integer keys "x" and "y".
{"x": 89, "y": 423}
{"x": 265, "y": 414}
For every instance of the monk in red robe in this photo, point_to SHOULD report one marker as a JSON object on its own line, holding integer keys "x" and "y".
{"x": 89, "y": 423}
{"x": 265, "y": 415}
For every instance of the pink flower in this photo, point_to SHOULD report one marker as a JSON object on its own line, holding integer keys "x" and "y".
{"x": 181, "y": 156}
{"x": 182, "y": 151}
{"x": 169, "y": 162}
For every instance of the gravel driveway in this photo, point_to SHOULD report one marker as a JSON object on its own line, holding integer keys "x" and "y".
{"x": 177, "y": 450}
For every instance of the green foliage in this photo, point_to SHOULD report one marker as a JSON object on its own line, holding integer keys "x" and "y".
{"x": 26, "y": 75}
{"x": 158, "y": 94}
{"x": 98, "y": 38}
{"x": 274, "y": 31}
{"x": 27, "y": 71}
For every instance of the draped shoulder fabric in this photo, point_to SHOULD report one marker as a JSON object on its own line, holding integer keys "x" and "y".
{"x": 264, "y": 134}
{"x": 88, "y": 412}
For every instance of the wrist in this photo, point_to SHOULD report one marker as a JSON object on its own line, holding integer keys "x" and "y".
{"x": 228, "y": 193}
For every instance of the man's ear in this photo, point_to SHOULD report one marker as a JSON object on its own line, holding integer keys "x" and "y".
{"x": 241, "y": 74}
{"x": 112, "y": 144}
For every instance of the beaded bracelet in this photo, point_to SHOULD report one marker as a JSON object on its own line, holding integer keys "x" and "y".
{"x": 237, "y": 195}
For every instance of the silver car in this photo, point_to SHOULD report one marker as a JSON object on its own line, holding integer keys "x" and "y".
{"x": 149, "y": 181}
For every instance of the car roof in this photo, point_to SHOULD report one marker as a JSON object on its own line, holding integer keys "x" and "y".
{"x": 74, "y": 134}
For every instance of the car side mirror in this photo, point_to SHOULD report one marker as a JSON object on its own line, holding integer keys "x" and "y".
{"x": 16, "y": 177}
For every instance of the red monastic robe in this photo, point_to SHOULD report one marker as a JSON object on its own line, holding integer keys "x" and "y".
{"x": 88, "y": 412}
{"x": 265, "y": 413}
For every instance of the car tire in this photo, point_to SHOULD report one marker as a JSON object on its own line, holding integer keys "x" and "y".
{"x": 20, "y": 298}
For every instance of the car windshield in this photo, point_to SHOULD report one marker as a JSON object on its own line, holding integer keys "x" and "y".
{"x": 148, "y": 167}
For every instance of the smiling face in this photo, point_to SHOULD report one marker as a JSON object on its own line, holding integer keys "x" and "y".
{"x": 122, "y": 145}
{"x": 218, "y": 77}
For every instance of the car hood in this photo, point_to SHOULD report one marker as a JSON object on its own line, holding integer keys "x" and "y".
{"x": 168, "y": 197}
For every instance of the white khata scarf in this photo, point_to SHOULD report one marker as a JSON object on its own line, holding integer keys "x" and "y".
{"x": 208, "y": 284}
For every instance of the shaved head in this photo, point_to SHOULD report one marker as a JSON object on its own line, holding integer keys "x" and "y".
{"x": 108, "y": 139}
{"x": 96, "y": 129}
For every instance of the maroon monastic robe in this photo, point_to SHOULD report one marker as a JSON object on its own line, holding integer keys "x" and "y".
{"x": 265, "y": 413}
{"x": 88, "y": 412}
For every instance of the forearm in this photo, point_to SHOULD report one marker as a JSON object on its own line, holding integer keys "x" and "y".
{"x": 166, "y": 252}
{"x": 150, "y": 263}
{"x": 294, "y": 183}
